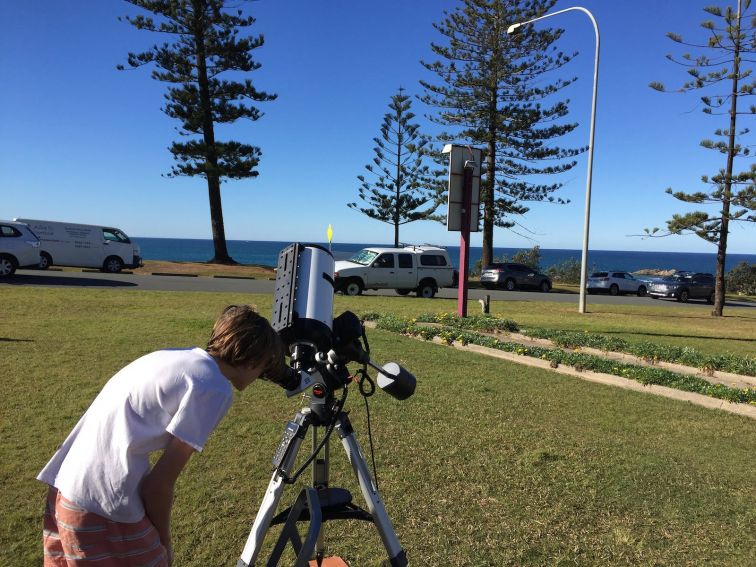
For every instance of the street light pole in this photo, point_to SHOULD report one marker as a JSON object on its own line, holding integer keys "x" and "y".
{"x": 586, "y": 226}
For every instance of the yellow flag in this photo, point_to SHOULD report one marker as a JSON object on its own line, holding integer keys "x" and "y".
{"x": 330, "y": 233}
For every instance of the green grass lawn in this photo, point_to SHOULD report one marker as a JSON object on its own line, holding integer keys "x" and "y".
{"x": 688, "y": 325}
{"x": 490, "y": 463}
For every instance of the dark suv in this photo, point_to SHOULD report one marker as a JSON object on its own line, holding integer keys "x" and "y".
{"x": 684, "y": 286}
{"x": 511, "y": 276}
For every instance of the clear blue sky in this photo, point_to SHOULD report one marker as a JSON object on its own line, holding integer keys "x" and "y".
{"x": 83, "y": 142}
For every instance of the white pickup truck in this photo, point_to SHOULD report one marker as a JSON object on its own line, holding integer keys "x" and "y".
{"x": 422, "y": 269}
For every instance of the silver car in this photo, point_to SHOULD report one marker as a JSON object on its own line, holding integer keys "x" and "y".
{"x": 683, "y": 286}
{"x": 615, "y": 283}
{"x": 19, "y": 247}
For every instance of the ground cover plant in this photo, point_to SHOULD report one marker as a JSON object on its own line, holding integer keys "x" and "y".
{"x": 489, "y": 463}
{"x": 668, "y": 324}
{"x": 451, "y": 332}
{"x": 650, "y": 352}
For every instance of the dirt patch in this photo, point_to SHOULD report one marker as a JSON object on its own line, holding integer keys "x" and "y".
{"x": 204, "y": 269}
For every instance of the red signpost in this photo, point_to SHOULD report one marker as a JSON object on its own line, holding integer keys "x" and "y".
{"x": 464, "y": 208}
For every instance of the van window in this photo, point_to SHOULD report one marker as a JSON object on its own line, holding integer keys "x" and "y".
{"x": 405, "y": 260}
{"x": 114, "y": 235}
{"x": 432, "y": 260}
{"x": 6, "y": 230}
{"x": 384, "y": 261}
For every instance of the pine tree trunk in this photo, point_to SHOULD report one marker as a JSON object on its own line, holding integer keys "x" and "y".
{"x": 719, "y": 286}
{"x": 221, "y": 255}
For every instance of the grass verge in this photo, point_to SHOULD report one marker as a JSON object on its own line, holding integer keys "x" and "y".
{"x": 490, "y": 463}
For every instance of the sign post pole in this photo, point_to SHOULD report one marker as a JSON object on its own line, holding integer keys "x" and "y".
{"x": 464, "y": 241}
{"x": 463, "y": 214}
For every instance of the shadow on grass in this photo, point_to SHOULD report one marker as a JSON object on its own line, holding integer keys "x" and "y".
{"x": 10, "y": 340}
{"x": 52, "y": 280}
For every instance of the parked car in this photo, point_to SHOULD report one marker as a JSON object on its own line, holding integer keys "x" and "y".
{"x": 84, "y": 245}
{"x": 19, "y": 247}
{"x": 615, "y": 283}
{"x": 422, "y": 269}
{"x": 684, "y": 286}
{"x": 511, "y": 276}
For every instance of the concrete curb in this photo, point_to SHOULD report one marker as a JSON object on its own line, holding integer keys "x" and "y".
{"x": 174, "y": 275}
{"x": 715, "y": 377}
{"x": 611, "y": 380}
{"x": 95, "y": 271}
{"x": 600, "y": 378}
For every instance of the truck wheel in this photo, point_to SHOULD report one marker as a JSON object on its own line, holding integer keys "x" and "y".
{"x": 510, "y": 285}
{"x": 403, "y": 291}
{"x": 545, "y": 286}
{"x": 614, "y": 290}
{"x": 426, "y": 289}
{"x": 112, "y": 265}
{"x": 353, "y": 287}
{"x": 45, "y": 261}
{"x": 7, "y": 265}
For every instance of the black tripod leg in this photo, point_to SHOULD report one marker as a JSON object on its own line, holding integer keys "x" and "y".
{"x": 307, "y": 499}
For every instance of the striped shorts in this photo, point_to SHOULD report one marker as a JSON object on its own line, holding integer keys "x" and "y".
{"x": 73, "y": 537}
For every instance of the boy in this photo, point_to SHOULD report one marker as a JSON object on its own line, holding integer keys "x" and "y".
{"x": 104, "y": 503}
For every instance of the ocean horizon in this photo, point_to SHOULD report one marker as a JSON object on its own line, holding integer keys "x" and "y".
{"x": 265, "y": 253}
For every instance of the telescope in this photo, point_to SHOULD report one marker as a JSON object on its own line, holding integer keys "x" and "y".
{"x": 319, "y": 348}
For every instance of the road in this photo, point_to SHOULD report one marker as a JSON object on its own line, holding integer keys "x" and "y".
{"x": 31, "y": 278}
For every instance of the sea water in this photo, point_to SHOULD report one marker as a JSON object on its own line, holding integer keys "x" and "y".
{"x": 265, "y": 253}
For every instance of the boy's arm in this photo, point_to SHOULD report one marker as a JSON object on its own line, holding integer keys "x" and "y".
{"x": 157, "y": 488}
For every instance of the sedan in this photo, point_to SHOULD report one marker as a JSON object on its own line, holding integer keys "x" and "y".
{"x": 511, "y": 276}
{"x": 684, "y": 286}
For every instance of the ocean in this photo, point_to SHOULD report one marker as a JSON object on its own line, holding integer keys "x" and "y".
{"x": 265, "y": 253}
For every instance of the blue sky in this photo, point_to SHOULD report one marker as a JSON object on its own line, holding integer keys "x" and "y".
{"x": 83, "y": 142}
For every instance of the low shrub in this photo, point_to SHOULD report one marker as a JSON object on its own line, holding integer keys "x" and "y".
{"x": 567, "y": 271}
{"x": 742, "y": 279}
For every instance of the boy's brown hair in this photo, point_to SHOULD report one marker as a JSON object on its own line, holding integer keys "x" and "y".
{"x": 241, "y": 336}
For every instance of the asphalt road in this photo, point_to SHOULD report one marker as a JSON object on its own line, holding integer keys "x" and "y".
{"x": 31, "y": 278}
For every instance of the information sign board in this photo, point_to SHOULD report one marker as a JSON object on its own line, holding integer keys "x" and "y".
{"x": 458, "y": 157}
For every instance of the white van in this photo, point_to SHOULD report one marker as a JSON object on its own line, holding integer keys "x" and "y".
{"x": 84, "y": 246}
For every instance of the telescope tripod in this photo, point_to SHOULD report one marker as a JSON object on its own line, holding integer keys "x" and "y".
{"x": 318, "y": 503}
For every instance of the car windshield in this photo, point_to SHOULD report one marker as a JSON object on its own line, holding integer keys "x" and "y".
{"x": 363, "y": 257}
{"x": 680, "y": 278}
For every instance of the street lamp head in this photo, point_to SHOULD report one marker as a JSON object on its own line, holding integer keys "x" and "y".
{"x": 513, "y": 27}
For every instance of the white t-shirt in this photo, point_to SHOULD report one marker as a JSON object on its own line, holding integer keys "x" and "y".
{"x": 101, "y": 464}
